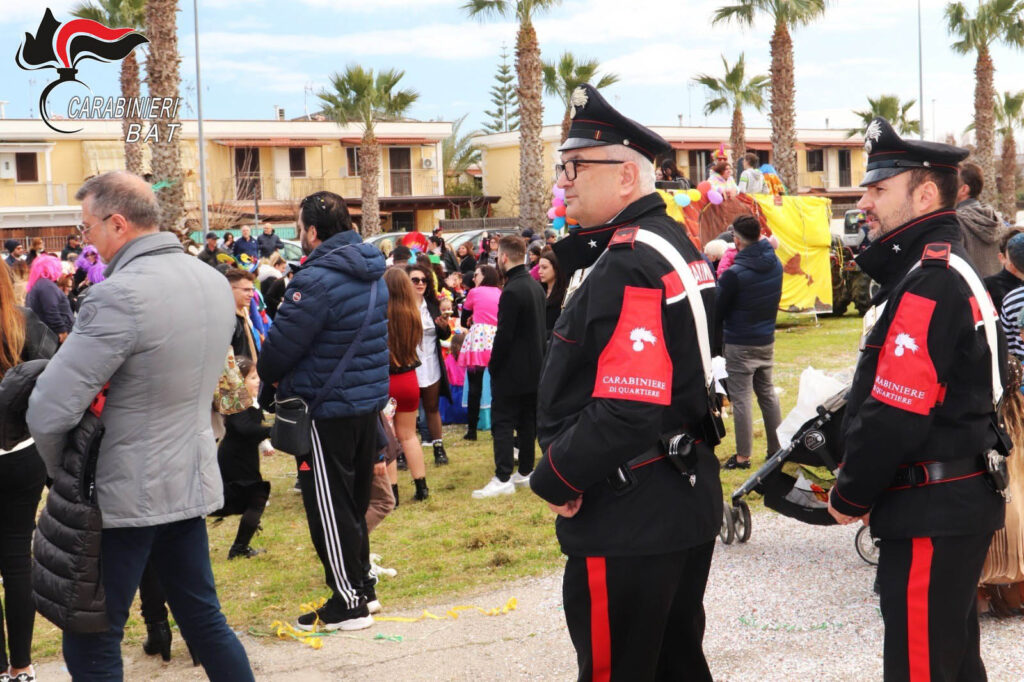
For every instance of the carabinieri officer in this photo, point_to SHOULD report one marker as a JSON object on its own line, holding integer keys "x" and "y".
{"x": 624, "y": 418}
{"x": 920, "y": 426}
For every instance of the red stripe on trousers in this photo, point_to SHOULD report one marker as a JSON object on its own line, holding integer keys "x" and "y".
{"x": 917, "y": 609}
{"x": 600, "y": 630}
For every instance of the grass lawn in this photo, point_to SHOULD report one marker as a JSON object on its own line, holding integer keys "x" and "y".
{"x": 451, "y": 543}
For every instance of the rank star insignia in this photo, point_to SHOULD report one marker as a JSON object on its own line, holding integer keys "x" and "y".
{"x": 592, "y": 244}
{"x": 896, "y": 248}
{"x": 578, "y": 99}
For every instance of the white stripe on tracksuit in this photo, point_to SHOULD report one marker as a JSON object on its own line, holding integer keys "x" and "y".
{"x": 332, "y": 541}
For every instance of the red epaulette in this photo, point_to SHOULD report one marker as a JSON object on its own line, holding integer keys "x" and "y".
{"x": 936, "y": 254}
{"x": 624, "y": 236}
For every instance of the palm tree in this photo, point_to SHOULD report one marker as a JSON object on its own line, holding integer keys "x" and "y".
{"x": 562, "y": 78}
{"x": 1009, "y": 115}
{"x": 163, "y": 78}
{"x": 532, "y": 204}
{"x": 734, "y": 90}
{"x": 458, "y": 154}
{"x": 994, "y": 21}
{"x": 785, "y": 14}
{"x": 364, "y": 98}
{"x": 122, "y": 14}
{"x": 892, "y": 110}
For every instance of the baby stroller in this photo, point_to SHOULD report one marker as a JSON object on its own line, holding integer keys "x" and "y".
{"x": 796, "y": 480}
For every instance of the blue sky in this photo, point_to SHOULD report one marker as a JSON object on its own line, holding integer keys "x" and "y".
{"x": 260, "y": 53}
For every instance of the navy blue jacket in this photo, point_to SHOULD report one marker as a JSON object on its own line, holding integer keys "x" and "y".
{"x": 243, "y": 245}
{"x": 50, "y": 304}
{"x": 748, "y": 296}
{"x": 322, "y": 310}
{"x": 268, "y": 244}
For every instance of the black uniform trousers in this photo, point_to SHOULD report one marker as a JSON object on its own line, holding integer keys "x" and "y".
{"x": 335, "y": 481}
{"x": 638, "y": 618}
{"x": 929, "y": 602}
{"x": 514, "y": 414}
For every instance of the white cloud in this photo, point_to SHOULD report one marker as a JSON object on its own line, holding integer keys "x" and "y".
{"x": 654, "y": 64}
{"x": 29, "y": 13}
{"x": 375, "y": 5}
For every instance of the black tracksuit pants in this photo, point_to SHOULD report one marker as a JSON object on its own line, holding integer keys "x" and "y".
{"x": 930, "y": 607}
{"x": 336, "y": 480}
{"x": 514, "y": 414}
{"x": 638, "y": 618}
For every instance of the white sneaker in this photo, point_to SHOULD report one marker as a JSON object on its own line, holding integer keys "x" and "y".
{"x": 494, "y": 488}
{"x": 518, "y": 480}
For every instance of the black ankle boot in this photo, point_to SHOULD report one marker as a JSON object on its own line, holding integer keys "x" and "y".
{"x": 422, "y": 491}
{"x": 394, "y": 491}
{"x": 440, "y": 456}
{"x": 470, "y": 435}
{"x": 158, "y": 640}
{"x": 401, "y": 463}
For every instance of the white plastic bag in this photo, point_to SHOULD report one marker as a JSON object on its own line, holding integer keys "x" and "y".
{"x": 815, "y": 388}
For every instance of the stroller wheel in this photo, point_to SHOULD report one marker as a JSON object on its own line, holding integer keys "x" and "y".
{"x": 866, "y": 545}
{"x": 728, "y": 531}
{"x": 741, "y": 521}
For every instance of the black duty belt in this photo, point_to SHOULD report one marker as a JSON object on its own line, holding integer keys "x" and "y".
{"x": 679, "y": 449}
{"x": 921, "y": 474}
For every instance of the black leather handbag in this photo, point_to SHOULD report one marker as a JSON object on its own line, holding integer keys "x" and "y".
{"x": 293, "y": 425}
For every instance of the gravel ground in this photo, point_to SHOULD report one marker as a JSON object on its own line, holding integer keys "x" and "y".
{"x": 793, "y": 603}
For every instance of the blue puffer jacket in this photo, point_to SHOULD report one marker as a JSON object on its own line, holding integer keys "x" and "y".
{"x": 319, "y": 316}
{"x": 748, "y": 296}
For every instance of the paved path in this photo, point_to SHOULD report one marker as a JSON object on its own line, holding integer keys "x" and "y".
{"x": 793, "y": 603}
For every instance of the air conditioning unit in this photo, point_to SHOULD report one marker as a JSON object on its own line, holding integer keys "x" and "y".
{"x": 428, "y": 162}
{"x": 8, "y": 169}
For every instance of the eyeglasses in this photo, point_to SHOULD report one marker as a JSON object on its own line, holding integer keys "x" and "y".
{"x": 83, "y": 228}
{"x": 572, "y": 166}
{"x": 418, "y": 280}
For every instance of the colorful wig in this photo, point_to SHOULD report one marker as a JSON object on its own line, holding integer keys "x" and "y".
{"x": 45, "y": 266}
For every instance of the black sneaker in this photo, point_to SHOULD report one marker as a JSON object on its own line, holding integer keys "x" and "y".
{"x": 733, "y": 463}
{"x": 330, "y": 617}
{"x": 440, "y": 456}
{"x": 244, "y": 552}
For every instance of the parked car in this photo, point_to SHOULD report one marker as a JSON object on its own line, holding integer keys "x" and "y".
{"x": 292, "y": 250}
{"x": 457, "y": 239}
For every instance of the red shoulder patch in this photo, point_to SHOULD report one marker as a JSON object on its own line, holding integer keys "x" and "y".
{"x": 624, "y": 236}
{"x": 635, "y": 365}
{"x": 937, "y": 253}
{"x": 296, "y": 296}
{"x": 905, "y": 377}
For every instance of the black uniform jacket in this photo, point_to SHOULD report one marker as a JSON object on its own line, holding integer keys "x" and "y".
{"x": 519, "y": 342}
{"x": 624, "y": 368}
{"x": 922, "y": 392}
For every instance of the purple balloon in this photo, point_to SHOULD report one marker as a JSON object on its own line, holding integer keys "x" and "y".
{"x": 559, "y": 193}
{"x": 715, "y": 197}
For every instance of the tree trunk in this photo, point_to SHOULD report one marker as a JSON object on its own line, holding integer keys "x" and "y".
{"x": 369, "y": 176}
{"x": 531, "y": 146}
{"x": 1008, "y": 178}
{"x": 783, "y": 112}
{"x": 131, "y": 89}
{"x": 163, "y": 79}
{"x": 566, "y": 124}
{"x": 737, "y": 137}
{"x": 984, "y": 124}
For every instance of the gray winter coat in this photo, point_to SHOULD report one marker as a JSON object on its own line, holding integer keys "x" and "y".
{"x": 157, "y": 330}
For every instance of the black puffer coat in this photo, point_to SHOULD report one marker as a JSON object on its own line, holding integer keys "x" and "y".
{"x": 66, "y": 580}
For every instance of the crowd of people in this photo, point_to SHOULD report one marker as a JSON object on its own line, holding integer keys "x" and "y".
{"x": 363, "y": 352}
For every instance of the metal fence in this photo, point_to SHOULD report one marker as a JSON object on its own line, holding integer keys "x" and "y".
{"x": 463, "y": 224}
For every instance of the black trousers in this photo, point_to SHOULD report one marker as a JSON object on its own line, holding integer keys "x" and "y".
{"x": 336, "y": 480}
{"x": 475, "y": 383}
{"x": 514, "y": 414}
{"x": 930, "y": 607}
{"x": 22, "y": 475}
{"x": 638, "y": 618}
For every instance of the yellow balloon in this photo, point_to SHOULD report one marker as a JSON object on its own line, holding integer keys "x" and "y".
{"x": 694, "y": 194}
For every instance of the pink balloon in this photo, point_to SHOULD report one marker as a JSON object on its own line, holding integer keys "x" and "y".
{"x": 714, "y": 196}
{"x": 559, "y": 192}
{"x": 551, "y": 213}
{"x": 556, "y": 202}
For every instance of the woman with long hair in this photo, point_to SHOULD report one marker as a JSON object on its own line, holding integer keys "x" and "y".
{"x": 554, "y": 282}
{"x": 23, "y": 337}
{"x": 86, "y": 260}
{"x": 482, "y": 303}
{"x": 433, "y": 380}
{"x": 721, "y": 179}
{"x": 35, "y": 248}
{"x": 45, "y": 298}
{"x": 467, "y": 261}
{"x": 405, "y": 331}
